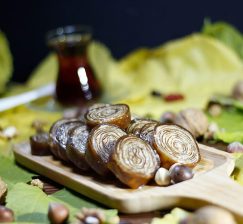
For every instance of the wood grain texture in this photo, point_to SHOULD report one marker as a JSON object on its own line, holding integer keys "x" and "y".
{"x": 210, "y": 185}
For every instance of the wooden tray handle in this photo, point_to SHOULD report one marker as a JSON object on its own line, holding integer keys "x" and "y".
{"x": 215, "y": 189}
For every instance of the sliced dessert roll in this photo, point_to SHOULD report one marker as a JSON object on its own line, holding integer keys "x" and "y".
{"x": 137, "y": 124}
{"x": 175, "y": 144}
{"x": 40, "y": 144}
{"x": 101, "y": 144}
{"x": 117, "y": 114}
{"x": 77, "y": 146}
{"x": 147, "y": 132}
{"x": 133, "y": 161}
{"x": 59, "y": 136}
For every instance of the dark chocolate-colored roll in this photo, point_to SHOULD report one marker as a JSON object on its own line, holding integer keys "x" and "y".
{"x": 59, "y": 136}
{"x": 40, "y": 144}
{"x": 77, "y": 146}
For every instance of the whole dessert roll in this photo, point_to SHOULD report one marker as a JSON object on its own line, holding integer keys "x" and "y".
{"x": 101, "y": 144}
{"x": 77, "y": 146}
{"x": 117, "y": 114}
{"x": 175, "y": 144}
{"x": 59, "y": 136}
{"x": 133, "y": 161}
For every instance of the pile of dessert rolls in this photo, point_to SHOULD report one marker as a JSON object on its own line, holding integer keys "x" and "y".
{"x": 109, "y": 142}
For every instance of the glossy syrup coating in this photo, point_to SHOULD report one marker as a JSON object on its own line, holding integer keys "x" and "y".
{"x": 147, "y": 132}
{"x": 77, "y": 146}
{"x": 137, "y": 124}
{"x": 101, "y": 144}
{"x": 175, "y": 144}
{"x": 59, "y": 136}
{"x": 133, "y": 161}
{"x": 179, "y": 173}
{"x": 40, "y": 144}
{"x": 117, "y": 114}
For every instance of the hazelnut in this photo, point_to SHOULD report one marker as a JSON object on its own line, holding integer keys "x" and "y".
{"x": 234, "y": 147}
{"x": 6, "y": 214}
{"x": 215, "y": 110}
{"x": 91, "y": 216}
{"x": 212, "y": 215}
{"x": 179, "y": 173}
{"x": 57, "y": 213}
{"x": 162, "y": 177}
{"x": 167, "y": 117}
{"x": 194, "y": 120}
{"x": 237, "y": 92}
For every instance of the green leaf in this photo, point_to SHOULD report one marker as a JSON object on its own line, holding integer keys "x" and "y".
{"x": 12, "y": 173}
{"x": 74, "y": 199}
{"x": 180, "y": 66}
{"x": 230, "y": 123}
{"x": 30, "y": 204}
{"x": 226, "y": 33}
{"x": 6, "y": 62}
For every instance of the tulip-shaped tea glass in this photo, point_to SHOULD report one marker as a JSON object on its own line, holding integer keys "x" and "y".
{"x": 76, "y": 83}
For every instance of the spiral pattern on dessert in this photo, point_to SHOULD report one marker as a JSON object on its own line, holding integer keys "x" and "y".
{"x": 136, "y": 125}
{"x": 104, "y": 139}
{"x": 107, "y": 112}
{"x": 177, "y": 142}
{"x": 136, "y": 155}
{"x": 147, "y": 132}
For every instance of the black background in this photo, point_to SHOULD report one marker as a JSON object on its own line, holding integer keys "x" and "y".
{"x": 121, "y": 25}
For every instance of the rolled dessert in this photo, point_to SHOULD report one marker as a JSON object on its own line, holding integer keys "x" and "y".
{"x": 101, "y": 144}
{"x": 40, "y": 144}
{"x": 77, "y": 146}
{"x": 147, "y": 132}
{"x": 117, "y": 114}
{"x": 134, "y": 162}
{"x": 137, "y": 124}
{"x": 59, "y": 136}
{"x": 174, "y": 144}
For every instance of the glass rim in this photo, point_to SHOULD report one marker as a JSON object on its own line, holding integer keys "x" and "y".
{"x": 69, "y": 30}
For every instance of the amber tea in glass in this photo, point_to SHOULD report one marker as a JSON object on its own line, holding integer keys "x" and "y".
{"x": 76, "y": 82}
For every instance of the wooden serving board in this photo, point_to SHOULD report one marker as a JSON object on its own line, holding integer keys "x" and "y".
{"x": 210, "y": 185}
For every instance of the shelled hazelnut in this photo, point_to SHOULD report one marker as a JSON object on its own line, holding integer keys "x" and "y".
{"x": 162, "y": 177}
{"x": 91, "y": 216}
